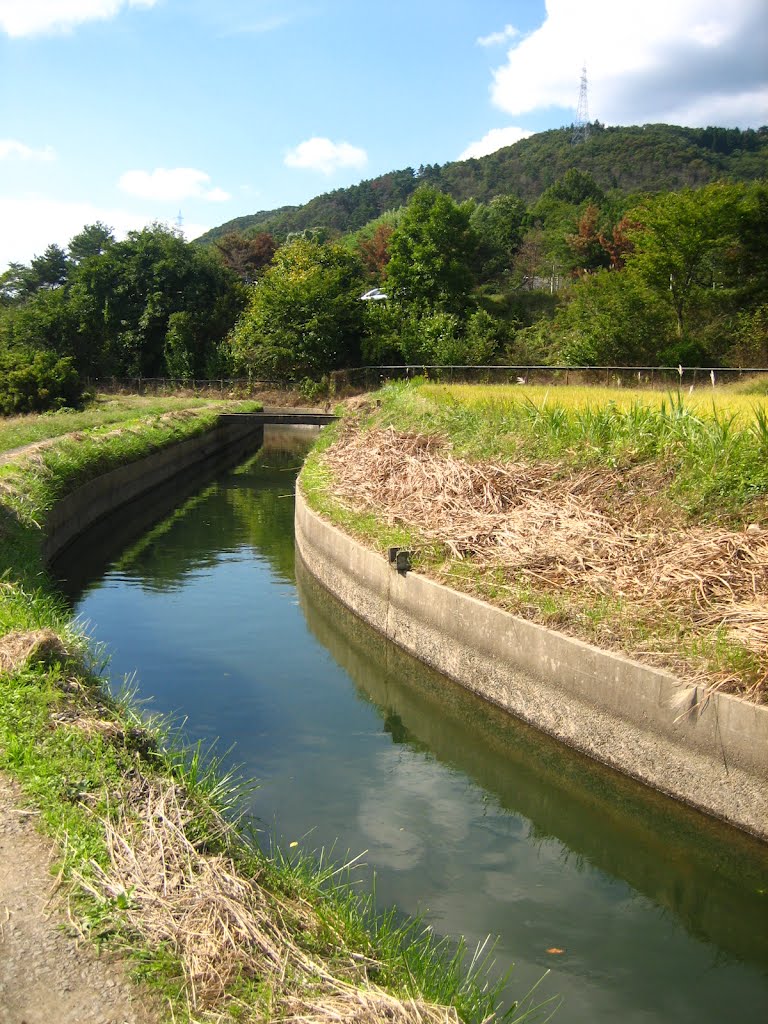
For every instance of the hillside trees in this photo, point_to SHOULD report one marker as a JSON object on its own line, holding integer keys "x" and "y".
{"x": 431, "y": 253}
{"x": 693, "y": 288}
{"x": 681, "y": 245}
{"x": 304, "y": 317}
{"x": 151, "y": 305}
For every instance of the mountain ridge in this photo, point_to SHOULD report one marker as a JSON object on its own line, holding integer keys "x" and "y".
{"x": 626, "y": 160}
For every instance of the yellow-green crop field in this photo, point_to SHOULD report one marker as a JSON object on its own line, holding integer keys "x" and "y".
{"x": 702, "y": 402}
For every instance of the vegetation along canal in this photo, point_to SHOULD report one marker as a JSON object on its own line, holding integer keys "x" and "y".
{"x": 643, "y": 910}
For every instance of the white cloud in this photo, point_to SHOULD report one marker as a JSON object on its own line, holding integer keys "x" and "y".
{"x": 13, "y": 148}
{"x": 694, "y": 62}
{"x": 497, "y": 38}
{"x": 31, "y": 223}
{"x": 495, "y": 139}
{"x": 318, "y": 154}
{"x": 171, "y": 185}
{"x": 32, "y": 17}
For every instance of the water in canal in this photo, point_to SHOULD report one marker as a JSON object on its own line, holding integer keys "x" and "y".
{"x": 480, "y": 823}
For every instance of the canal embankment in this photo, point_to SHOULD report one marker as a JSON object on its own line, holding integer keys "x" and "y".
{"x": 149, "y": 856}
{"x": 708, "y": 750}
{"x": 613, "y": 561}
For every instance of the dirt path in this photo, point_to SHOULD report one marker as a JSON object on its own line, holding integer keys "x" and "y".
{"x": 45, "y": 976}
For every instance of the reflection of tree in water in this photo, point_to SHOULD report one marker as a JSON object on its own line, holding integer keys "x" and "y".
{"x": 393, "y": 724}
{"x": 250, "y": 506}
{"x": 170, "y": 550}
{"x": 262, "y": 501}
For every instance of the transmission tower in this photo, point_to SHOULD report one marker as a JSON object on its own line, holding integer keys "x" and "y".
{"x": 581, "y": 124}
{"x": 179, "y": 223}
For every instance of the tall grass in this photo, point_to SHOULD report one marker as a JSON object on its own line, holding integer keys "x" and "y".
{"x": 714, "y": 449}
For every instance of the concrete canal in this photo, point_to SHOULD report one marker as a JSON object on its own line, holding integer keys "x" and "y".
{"x": 643, "y": 910}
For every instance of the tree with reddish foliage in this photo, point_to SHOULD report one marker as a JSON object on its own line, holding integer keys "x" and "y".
{"x": 619, "y": 245}
{"x": 374, "y": 251}
{"x": 588, "y": 252}
{"x": 247, "y": 256}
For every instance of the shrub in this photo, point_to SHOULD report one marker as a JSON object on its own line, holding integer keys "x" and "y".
{"x": 38, "y": 381}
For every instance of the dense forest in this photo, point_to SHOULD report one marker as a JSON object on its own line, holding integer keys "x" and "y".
{"x": 651, "y": 158}
{"x": 640, "y": 246}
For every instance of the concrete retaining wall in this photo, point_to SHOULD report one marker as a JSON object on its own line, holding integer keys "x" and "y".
{"x": 708, "y": 751}
{"x": 83, "y": 507}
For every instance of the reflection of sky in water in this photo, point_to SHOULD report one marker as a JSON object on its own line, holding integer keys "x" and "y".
{"x": 208, "y": 614}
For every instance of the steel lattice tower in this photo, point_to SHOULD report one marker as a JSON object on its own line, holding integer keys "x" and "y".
{"x": 581, "y": 124}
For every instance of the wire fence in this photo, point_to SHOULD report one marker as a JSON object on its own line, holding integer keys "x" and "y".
{"x": 223, "y": 387}
{"x": 369, "y": 378}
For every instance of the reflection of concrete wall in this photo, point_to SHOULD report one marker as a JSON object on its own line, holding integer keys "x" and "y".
{"x": 703, "y": 872}
{"x": 639, "y": 720}
{"x": 77, "y": 511}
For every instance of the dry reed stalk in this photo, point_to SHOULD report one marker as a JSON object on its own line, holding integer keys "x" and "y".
{"x": 532, "y": 520}
{"x": 216, "y": 922}
{"x": 350, "y": 1005}
{"x": 223, "y": 926}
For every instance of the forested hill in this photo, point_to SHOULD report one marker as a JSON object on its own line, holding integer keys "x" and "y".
{"x": 651, "y": 158}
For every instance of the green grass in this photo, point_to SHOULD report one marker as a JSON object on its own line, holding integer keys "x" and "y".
{"x": 74, "y": 775}
{"x": 713, "y": 449}
{"x": 104, "y": 410}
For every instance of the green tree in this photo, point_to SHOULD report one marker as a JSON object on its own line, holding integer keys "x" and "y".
{"x": 681, "y": 245}
{"x": 305, "y": 316}
{"x": 125, "y": 299}
{"x": 93, "y": 240}
{"x": 14, "y": 284}
{"x": 431, "y": 254}
{"x": 499, "y": 229}
{"x": 611, "y": 318}
{"x": 49, "y": 270}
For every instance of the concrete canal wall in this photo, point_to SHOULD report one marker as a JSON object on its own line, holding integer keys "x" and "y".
{"x": 708, "y": 750}
{"x": 80, "y": 509}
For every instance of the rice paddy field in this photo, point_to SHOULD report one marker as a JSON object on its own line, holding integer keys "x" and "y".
{"x": 632, "y": 519}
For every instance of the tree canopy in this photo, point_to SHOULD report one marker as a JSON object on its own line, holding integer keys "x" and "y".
{"x": 304, "y": 317}
{"x": 431, "y": 253}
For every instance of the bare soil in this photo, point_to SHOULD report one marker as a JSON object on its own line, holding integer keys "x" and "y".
{"x": 46, "y": 976}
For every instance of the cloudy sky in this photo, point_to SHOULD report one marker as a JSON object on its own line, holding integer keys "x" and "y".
{"x": 128, "y": 111}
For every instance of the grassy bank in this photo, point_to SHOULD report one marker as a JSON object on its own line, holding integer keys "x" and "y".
{"x": 152, "y": 853}
{"x": 104, "y": 411}
{"x": 636, "y": 521}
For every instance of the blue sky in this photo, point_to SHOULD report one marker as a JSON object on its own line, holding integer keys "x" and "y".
{"x": 129, "y": 111}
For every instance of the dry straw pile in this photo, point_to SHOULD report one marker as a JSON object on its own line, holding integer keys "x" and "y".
{"x": 21, "y": 646}
{"x": 551, "y": 528}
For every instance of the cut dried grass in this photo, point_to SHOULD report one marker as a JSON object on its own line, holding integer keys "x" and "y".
{"x": 223, "y": 927}
{"x": 20, "y": 647}
{"x": 537, "y": 522}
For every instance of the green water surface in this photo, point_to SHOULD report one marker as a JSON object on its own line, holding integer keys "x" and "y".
{"x": 465, "y": 815}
